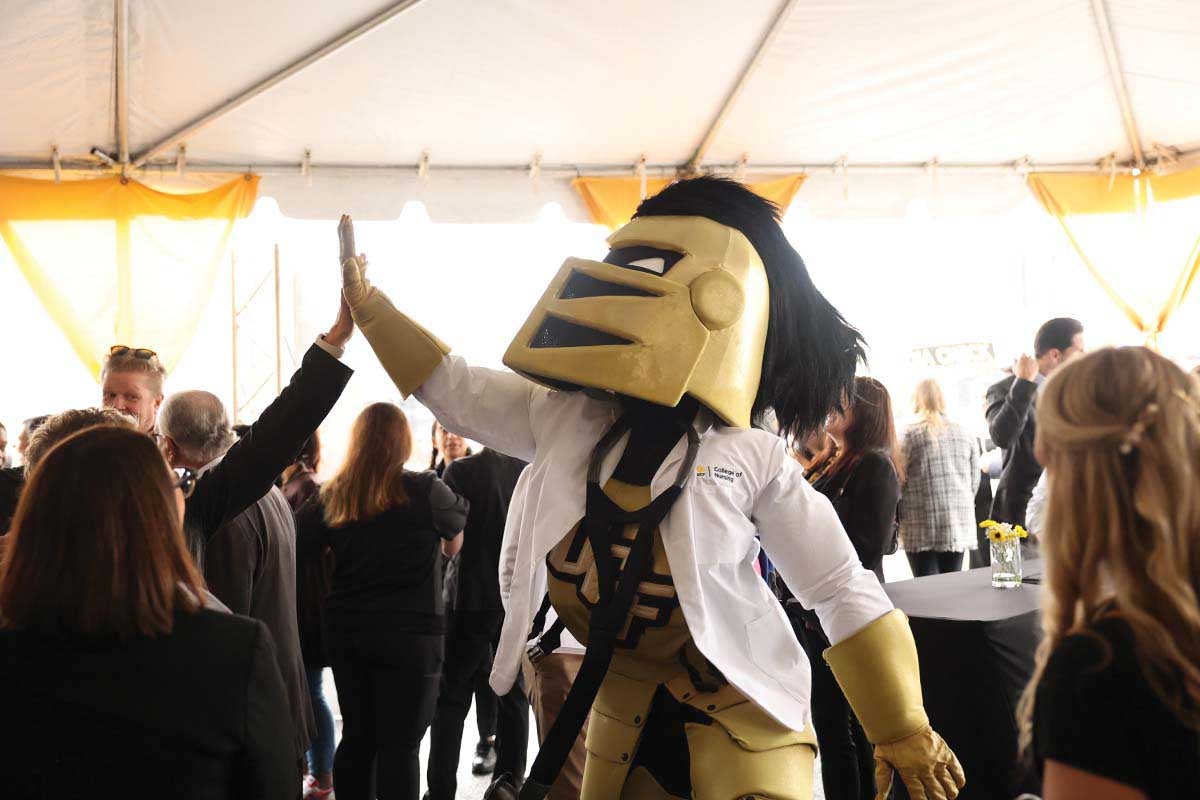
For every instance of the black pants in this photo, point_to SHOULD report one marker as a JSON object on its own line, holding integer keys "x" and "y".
{"x": 387, "y": 685}
{"x": 469, "y": 643}
{"x": 485, "y": 703}
{"x": 847, "y": 757}
{"x": 934, "y": 562}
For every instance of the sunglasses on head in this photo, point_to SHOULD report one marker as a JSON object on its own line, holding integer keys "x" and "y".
{"x": 143, "y": 353}
{"x": 185, "y": 481}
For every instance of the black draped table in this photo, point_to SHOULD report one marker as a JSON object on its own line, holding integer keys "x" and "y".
{"x": 977, "y": 649}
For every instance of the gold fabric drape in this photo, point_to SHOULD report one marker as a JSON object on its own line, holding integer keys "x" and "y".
{"x": 1130, "y": 233}
{"x": 612, "y": 201}
{"x": 114, "y": 261}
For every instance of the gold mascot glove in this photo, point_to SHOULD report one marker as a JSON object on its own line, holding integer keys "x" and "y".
{"x": 878, "y": 671}
{"x": 408, "y": 352}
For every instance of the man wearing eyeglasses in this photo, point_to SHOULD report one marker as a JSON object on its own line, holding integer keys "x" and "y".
{"x": 132, "y": 383}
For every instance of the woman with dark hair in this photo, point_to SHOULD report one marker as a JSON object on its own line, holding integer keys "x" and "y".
{"x": 384, "y": 619}
{"x": 862, "y": 482}
{"x": 314, "y": 578}
{"x": 447, "y": 448}
{"x": 105, "y": 649}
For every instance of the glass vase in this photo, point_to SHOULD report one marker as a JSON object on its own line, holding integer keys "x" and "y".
{"x": 1006, "y": 564}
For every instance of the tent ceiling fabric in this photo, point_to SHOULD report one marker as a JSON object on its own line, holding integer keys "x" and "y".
{"x": 582, "y": 83}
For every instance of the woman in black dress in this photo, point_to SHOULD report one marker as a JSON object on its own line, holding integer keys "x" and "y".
{"x": 857, "y": 471}
{"x": 384, "y": 617}
{"x": 106, "y": 651}
{"x": 1113, "y": 711}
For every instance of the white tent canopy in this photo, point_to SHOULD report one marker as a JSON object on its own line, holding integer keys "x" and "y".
{"x": 484, "y": 111}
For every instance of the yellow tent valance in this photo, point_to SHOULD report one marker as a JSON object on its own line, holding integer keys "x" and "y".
{"x": 612, "y": 201}
{"x": 114, "y": 261}
{"x": 1131, "y": 233}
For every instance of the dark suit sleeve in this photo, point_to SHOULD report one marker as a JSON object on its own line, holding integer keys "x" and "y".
{"x": 251, "y": 466}
{"x": 449, "y": 508}
{"x": 267, "y": 768}
{"x": 231, "y": 560}
{"x": 1007, "y": 409}
{"x": 868, "y": 507}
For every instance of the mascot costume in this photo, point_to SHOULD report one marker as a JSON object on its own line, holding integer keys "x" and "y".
{"x": 639, "y": 382}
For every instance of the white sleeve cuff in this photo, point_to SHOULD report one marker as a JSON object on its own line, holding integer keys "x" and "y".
{"x": 333, "y": 350}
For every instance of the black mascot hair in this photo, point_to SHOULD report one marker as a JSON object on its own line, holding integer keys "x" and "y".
{"x": 812, "y": 353}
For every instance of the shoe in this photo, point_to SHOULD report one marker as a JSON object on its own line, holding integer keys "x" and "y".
{"x": 313, "y": 791}
{"x": 485, "y": 758}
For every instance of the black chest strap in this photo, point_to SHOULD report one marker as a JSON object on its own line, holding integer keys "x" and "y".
{"x": 603, "y": 524}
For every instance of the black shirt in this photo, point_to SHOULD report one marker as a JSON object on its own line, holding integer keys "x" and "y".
{"x": 486, "y": 480}
{"x": 866, "y": 496}
{"x": 386, "y": 570}
{"x": 199, "y": 713}
{"x": 1100, "y": 715}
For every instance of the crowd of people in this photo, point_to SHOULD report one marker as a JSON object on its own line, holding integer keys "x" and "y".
{"x": 171, "y": 591}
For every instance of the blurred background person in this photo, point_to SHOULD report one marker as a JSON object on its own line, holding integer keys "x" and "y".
{"x": 941, "y": 476}
{"x": 1011, "y": 419}
{"x": 448, "y": 447}
{"x": 384, "y": 620}
{"x": 299, "y": 481}
{"x": 474, "y": 619}
{"x": 108, "y": 661}
{"x": 131, "y": 381}
{"x": 5, "y": 457}
{"x": 28, "y": 428}
{"x": 249, "y": 562}
{"x": 858, "y": 471}
{"x": 1113, "y": 710}
{"x": 314, "y": 579}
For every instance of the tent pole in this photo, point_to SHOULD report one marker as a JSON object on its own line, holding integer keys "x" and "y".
{"x": 233, "y": 321}
{"x": 212, "y": 115}
{"x": 278, "y": 330}
{"x": 121, "y": 48}
{"x": 764, "y": 44}
{"x": 1117, "y": 74}
{"x": 292, "y": 168}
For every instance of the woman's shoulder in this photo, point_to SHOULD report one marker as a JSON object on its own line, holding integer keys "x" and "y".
{"x": 1100, "y": 654}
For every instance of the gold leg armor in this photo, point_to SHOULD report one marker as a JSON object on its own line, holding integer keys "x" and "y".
{"x": 743, "y": 753}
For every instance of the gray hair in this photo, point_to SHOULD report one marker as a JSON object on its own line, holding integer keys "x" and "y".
{"x": 58, "y": 427}
{"x": 198, "y": 424}
{"x": 152, "y": 368}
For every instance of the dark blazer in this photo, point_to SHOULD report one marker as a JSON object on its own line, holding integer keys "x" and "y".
{"x": 12, "y": 479}
{"x": 866, "y": 497}
{"x": 195, "y": 715}
{"x": 487, "y": 480}
{"x": 251, "y": 466}
{"x": 1010, "y": 414}
{"x": 250, "y": 565}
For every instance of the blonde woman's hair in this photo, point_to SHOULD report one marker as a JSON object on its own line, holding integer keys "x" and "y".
{"x": 930, "y": 404}
{"x": 1119, "y": 433}
{"x": 370, "y": 481}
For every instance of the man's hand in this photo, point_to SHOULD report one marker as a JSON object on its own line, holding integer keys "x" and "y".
{"x": 1026, "y": 367}
{"x": 346, "y": 236}
{"x": 343, "y": 326}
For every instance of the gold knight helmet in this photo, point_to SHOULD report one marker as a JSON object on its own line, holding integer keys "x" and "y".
{"x": 683, "y": 304}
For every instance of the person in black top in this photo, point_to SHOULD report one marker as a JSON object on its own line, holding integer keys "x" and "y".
{"x": 447, "y": 448}
{"x": 384, "y": 620}
{"x": 1011, "y": 419}
{"x": 863, "y": 484}
{"x": 486, "y": 480}
{"x": 113, "y": 678}
{"x": 1113, "y": 709}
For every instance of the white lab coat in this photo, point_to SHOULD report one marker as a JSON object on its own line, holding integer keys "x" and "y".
{"x": 750, "y": 487}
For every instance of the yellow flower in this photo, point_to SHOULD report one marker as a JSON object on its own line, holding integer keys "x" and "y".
{"x": 989, "y": 523}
